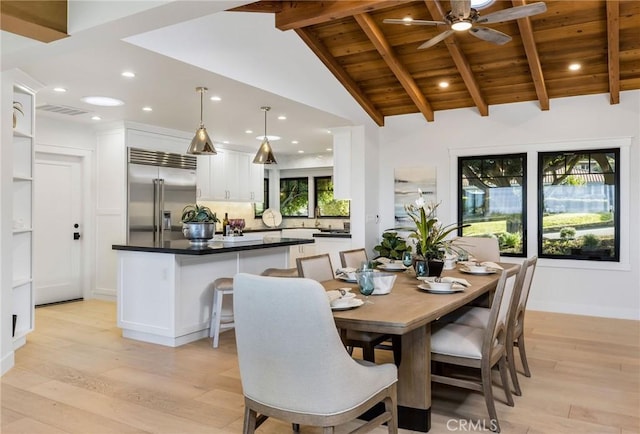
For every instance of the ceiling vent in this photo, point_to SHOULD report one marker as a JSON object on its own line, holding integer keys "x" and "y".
{"x": 61, "y": 109}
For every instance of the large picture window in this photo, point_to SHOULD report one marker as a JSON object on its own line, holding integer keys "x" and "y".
{"x": 579, "y": 198}
{"x": 492, "y": 200}
{"x": 294, "y": 197}
{"x": 326, "y": 205}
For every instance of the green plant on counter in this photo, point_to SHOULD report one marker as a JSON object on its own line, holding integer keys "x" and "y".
{"x": 392, "y": 246}
{"x": 198, "y": 214}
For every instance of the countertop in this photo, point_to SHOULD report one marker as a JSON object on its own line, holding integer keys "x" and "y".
{"x": 332, "y": 235}
{"x": 184, "y": 247}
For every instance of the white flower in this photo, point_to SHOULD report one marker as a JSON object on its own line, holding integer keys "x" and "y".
{"x": 420, "y": 201}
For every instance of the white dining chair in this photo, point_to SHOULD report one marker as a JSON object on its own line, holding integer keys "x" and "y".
{"x": 293, "y": 366}
{"x": 353, "y": 258}
{"x": 483, "y": 249}
{"x": 316, "y": 267}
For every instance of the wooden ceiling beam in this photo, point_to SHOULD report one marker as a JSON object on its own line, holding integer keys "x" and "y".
{"x": 338, "y": 71}
{"x": 464, "y": 69}
{"x": 298, "y": 14}
{"x": 375, "y": 35}
{"x": 44, "y": 21}
{"x": 531, "y": 50}
{"x": 613, "y": 43}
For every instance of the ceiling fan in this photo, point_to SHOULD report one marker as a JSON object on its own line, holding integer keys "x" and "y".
{"x": 463, "y": 17}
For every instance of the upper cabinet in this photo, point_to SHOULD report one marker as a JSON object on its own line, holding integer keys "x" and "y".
{"x": 230, "y": 176}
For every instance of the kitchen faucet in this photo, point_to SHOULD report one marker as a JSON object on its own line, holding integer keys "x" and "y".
{"x": 317, "y": 216}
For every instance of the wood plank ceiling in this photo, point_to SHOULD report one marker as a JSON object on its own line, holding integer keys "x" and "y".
{"x": 383, "y": 69}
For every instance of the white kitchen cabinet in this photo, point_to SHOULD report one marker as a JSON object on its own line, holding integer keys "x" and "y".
{"x": 301, "y": 250}
{"x": 333, "y": 246}
{"x": 230, "y": 176}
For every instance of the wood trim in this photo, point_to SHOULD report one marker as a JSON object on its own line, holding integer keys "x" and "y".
{"x": 613, "y": 52}
{"x": 376, "y": 36}
{"x": 298, "y": 14}
{"x": 530, "y": 49}
{"x": 464, "y": 69}
{"x": 44, "y": 21}
{"x": 332, "y": 64}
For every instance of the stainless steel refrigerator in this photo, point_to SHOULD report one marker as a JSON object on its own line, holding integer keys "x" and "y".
{"x": 160, "y": 185}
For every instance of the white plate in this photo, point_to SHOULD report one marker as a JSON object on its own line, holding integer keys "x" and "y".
{"x": 271, "y": 217}
{"x": 464, "y": 269}
{"x": 392, "y": 267}
{"x": 426, "y": 287}
{"x": 352, "y": 303}
{"x": 335, "y": 294}
{"x": 346, "y": 279}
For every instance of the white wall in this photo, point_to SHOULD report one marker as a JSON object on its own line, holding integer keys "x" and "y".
{"x": 580, "y": 287}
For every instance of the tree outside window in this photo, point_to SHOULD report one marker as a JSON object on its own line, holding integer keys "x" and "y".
{"x": 492, "y": 200}
{"x": 294, "y": 197}
{"x": 579, "y": 198}
{"x": 328, "y": 206}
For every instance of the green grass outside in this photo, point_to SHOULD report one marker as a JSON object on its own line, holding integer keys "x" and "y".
{"x": 549, "y": 221}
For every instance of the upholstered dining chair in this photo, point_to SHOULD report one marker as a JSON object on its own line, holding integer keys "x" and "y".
{"x": 280, "y": 272}
{"x": 474, "y": 347}
{"x": 481, "y": 248}
{"x": 479, "y": 317}
{"x": 293, "y": 366}
{"x": 318, "y": 267}
{"x": 353, "y": 258}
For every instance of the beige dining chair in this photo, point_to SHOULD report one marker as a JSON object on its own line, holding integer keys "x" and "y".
{"x": 483, "y": 249}
{"x": 318, "y": 267}
{"x": 280, "y": 272}
{"x": 461, "y": 345}
{"x": 293, "y": 366}
{"x": 353, "y": 258}
{"x": 479, "y": 317}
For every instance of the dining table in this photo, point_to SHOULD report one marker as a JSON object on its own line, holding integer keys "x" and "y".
{"x": 409, "y": 311}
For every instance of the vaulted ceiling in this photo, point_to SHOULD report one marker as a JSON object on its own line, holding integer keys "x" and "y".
{"x": 383, "y": 69}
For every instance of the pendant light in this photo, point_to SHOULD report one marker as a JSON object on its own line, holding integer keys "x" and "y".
{"x": 201, "y": 143}
{"x": 265, "y": 153}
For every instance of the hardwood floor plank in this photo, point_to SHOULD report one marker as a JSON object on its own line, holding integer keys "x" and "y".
{"x": 76, "y": 374}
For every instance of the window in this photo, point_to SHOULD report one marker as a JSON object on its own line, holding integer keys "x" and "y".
{"x": 326, "y": 205}
{"x": 258, "y": 208}
{"x": 579, "y": 198}
{"x": 294, "y": 197}
{"x": 492, "y": 200}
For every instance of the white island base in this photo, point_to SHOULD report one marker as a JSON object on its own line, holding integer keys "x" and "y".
{"x": 165, "y": 298}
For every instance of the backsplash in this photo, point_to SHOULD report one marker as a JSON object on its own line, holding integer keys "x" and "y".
{"x": 242, "y": 210}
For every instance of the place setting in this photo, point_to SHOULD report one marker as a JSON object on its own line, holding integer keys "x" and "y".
{"x": 343, "y": 299}
{"x": 481, "y": 268}
{"x": 443, "y": 285}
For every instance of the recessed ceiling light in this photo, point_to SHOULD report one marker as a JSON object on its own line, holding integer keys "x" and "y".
{"x": 226, "y": 142}
{"x": 147, "y": 109}
{"x": 215, "y": 98}
{"x": 300, "y": 151}
{"x": 270, "y": 138}
{"x": 328, "y": 131}
{"x": 128, "y": 74}
{"x": 249, "y": 131}
{"x": 443, "y": 84}
{"x": 294, "y": 142}
{"x": 59, "y": 89}
{"x": 574, "y": 67}
{"x": 329, "y": 149}
{"x": 96, "y": 118}
{"x": 282, "y": 117}
{"x": 103, "y": 101}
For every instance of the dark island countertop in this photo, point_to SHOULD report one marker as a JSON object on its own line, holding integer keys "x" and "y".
{"x": 184, "y": 247}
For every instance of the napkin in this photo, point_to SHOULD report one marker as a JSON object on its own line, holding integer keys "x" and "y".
{"x": 492, "y": 265}
{"x": 457, "y": 281}
{"x": 334, "y": 295}
{"x": 382, "y": 260}
{"x": 382, "y": 283}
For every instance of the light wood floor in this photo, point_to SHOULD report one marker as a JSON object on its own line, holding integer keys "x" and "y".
{"x": 76, "y": 374}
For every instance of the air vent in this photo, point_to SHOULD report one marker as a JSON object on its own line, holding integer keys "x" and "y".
{"x": 61, "y": 109}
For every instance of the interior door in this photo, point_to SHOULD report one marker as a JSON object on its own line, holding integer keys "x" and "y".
{"x": 57, "y": 228}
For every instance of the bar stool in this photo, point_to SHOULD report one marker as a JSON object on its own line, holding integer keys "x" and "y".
{"x": 221, "y": 313}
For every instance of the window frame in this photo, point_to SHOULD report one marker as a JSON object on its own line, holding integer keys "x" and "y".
{"x": 525, "y": 181}
{"x": 315, "y": 197}
{"x": 617, "y": 151}
{"x": 265, "y": 202}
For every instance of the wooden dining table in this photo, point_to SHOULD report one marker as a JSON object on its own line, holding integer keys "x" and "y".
{"x": 408, "y": 311}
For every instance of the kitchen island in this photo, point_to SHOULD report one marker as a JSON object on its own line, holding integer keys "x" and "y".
{"x": 164, "y": 288}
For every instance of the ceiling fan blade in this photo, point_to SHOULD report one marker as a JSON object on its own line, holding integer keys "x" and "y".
{"x": 461, "y": 8}
{"x": 433, "y": 41}
{"x": 490, "y": 35}
{"x": 412, "y": 22}
{"x": 513, "y": 13}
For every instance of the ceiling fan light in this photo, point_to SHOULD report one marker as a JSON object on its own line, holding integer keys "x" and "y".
{"x": 461, "y": 26}
{"x": 201, "y": 143}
